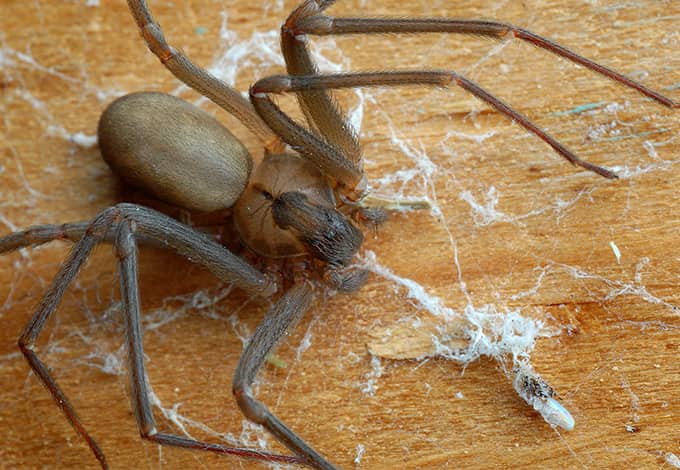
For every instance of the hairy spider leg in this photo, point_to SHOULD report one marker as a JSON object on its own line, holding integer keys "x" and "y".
{"x": 280, "y": 320}
{"x": 314, "y": 147}
{"x": 121, "y": 224}
{"x": 200, "y": 79}
{"x": 336, "y": 137}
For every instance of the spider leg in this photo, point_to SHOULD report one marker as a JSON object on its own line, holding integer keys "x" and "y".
{"x": 320, "y": 25}
{"x": 338, "y": 152}
{"x": 328, "y": 157}
{"x": 343, "y": 161}
{"x": 277, "y": 323}
{"x": 74, "y": 231}
{"x": 314, "y": 148}
{"x": 322, "y": 112}
{"x": 198, "y": 78}
{"x": 48, "y": 305}
{"x": 126, "y": 252}
{"x": 41, "y": 234}
{"x": 128, "y": 219}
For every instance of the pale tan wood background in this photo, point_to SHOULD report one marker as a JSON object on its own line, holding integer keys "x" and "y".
{"x": 615, "y": 357}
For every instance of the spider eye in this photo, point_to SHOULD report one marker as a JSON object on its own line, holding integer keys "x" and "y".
{"x": 266, "y": 194}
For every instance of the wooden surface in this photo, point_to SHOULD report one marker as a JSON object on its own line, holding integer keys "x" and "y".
{"x": 544, "y": 247}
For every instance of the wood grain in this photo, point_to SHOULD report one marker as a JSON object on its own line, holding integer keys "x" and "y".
{"x": 545, "y": 247}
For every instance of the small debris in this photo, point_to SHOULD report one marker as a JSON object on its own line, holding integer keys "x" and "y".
{"x": 616, "y": 251}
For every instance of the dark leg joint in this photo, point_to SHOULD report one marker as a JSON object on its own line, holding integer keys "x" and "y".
{"x": 251, "y": 408}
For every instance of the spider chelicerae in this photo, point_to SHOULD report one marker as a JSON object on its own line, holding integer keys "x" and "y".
{"x": 291, "y": 206}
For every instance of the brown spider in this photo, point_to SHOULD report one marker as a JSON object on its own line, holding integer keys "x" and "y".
{"x": 292, "y": 206}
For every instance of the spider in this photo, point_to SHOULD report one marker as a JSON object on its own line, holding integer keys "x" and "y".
{"x": 303, "y": 202}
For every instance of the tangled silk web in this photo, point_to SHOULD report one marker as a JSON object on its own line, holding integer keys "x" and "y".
{"x": 491, "y": 330}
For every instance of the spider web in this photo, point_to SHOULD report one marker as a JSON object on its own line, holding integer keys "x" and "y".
{"x": 473, "y": 223}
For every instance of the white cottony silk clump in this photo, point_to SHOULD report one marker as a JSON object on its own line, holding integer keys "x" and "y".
{"x": 509, "y": 337}
{"x": 495, "y": 334}
{"x": 490, "y": 333}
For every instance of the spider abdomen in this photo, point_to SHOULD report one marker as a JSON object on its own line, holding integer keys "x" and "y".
{"x": 173, "y": 151}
